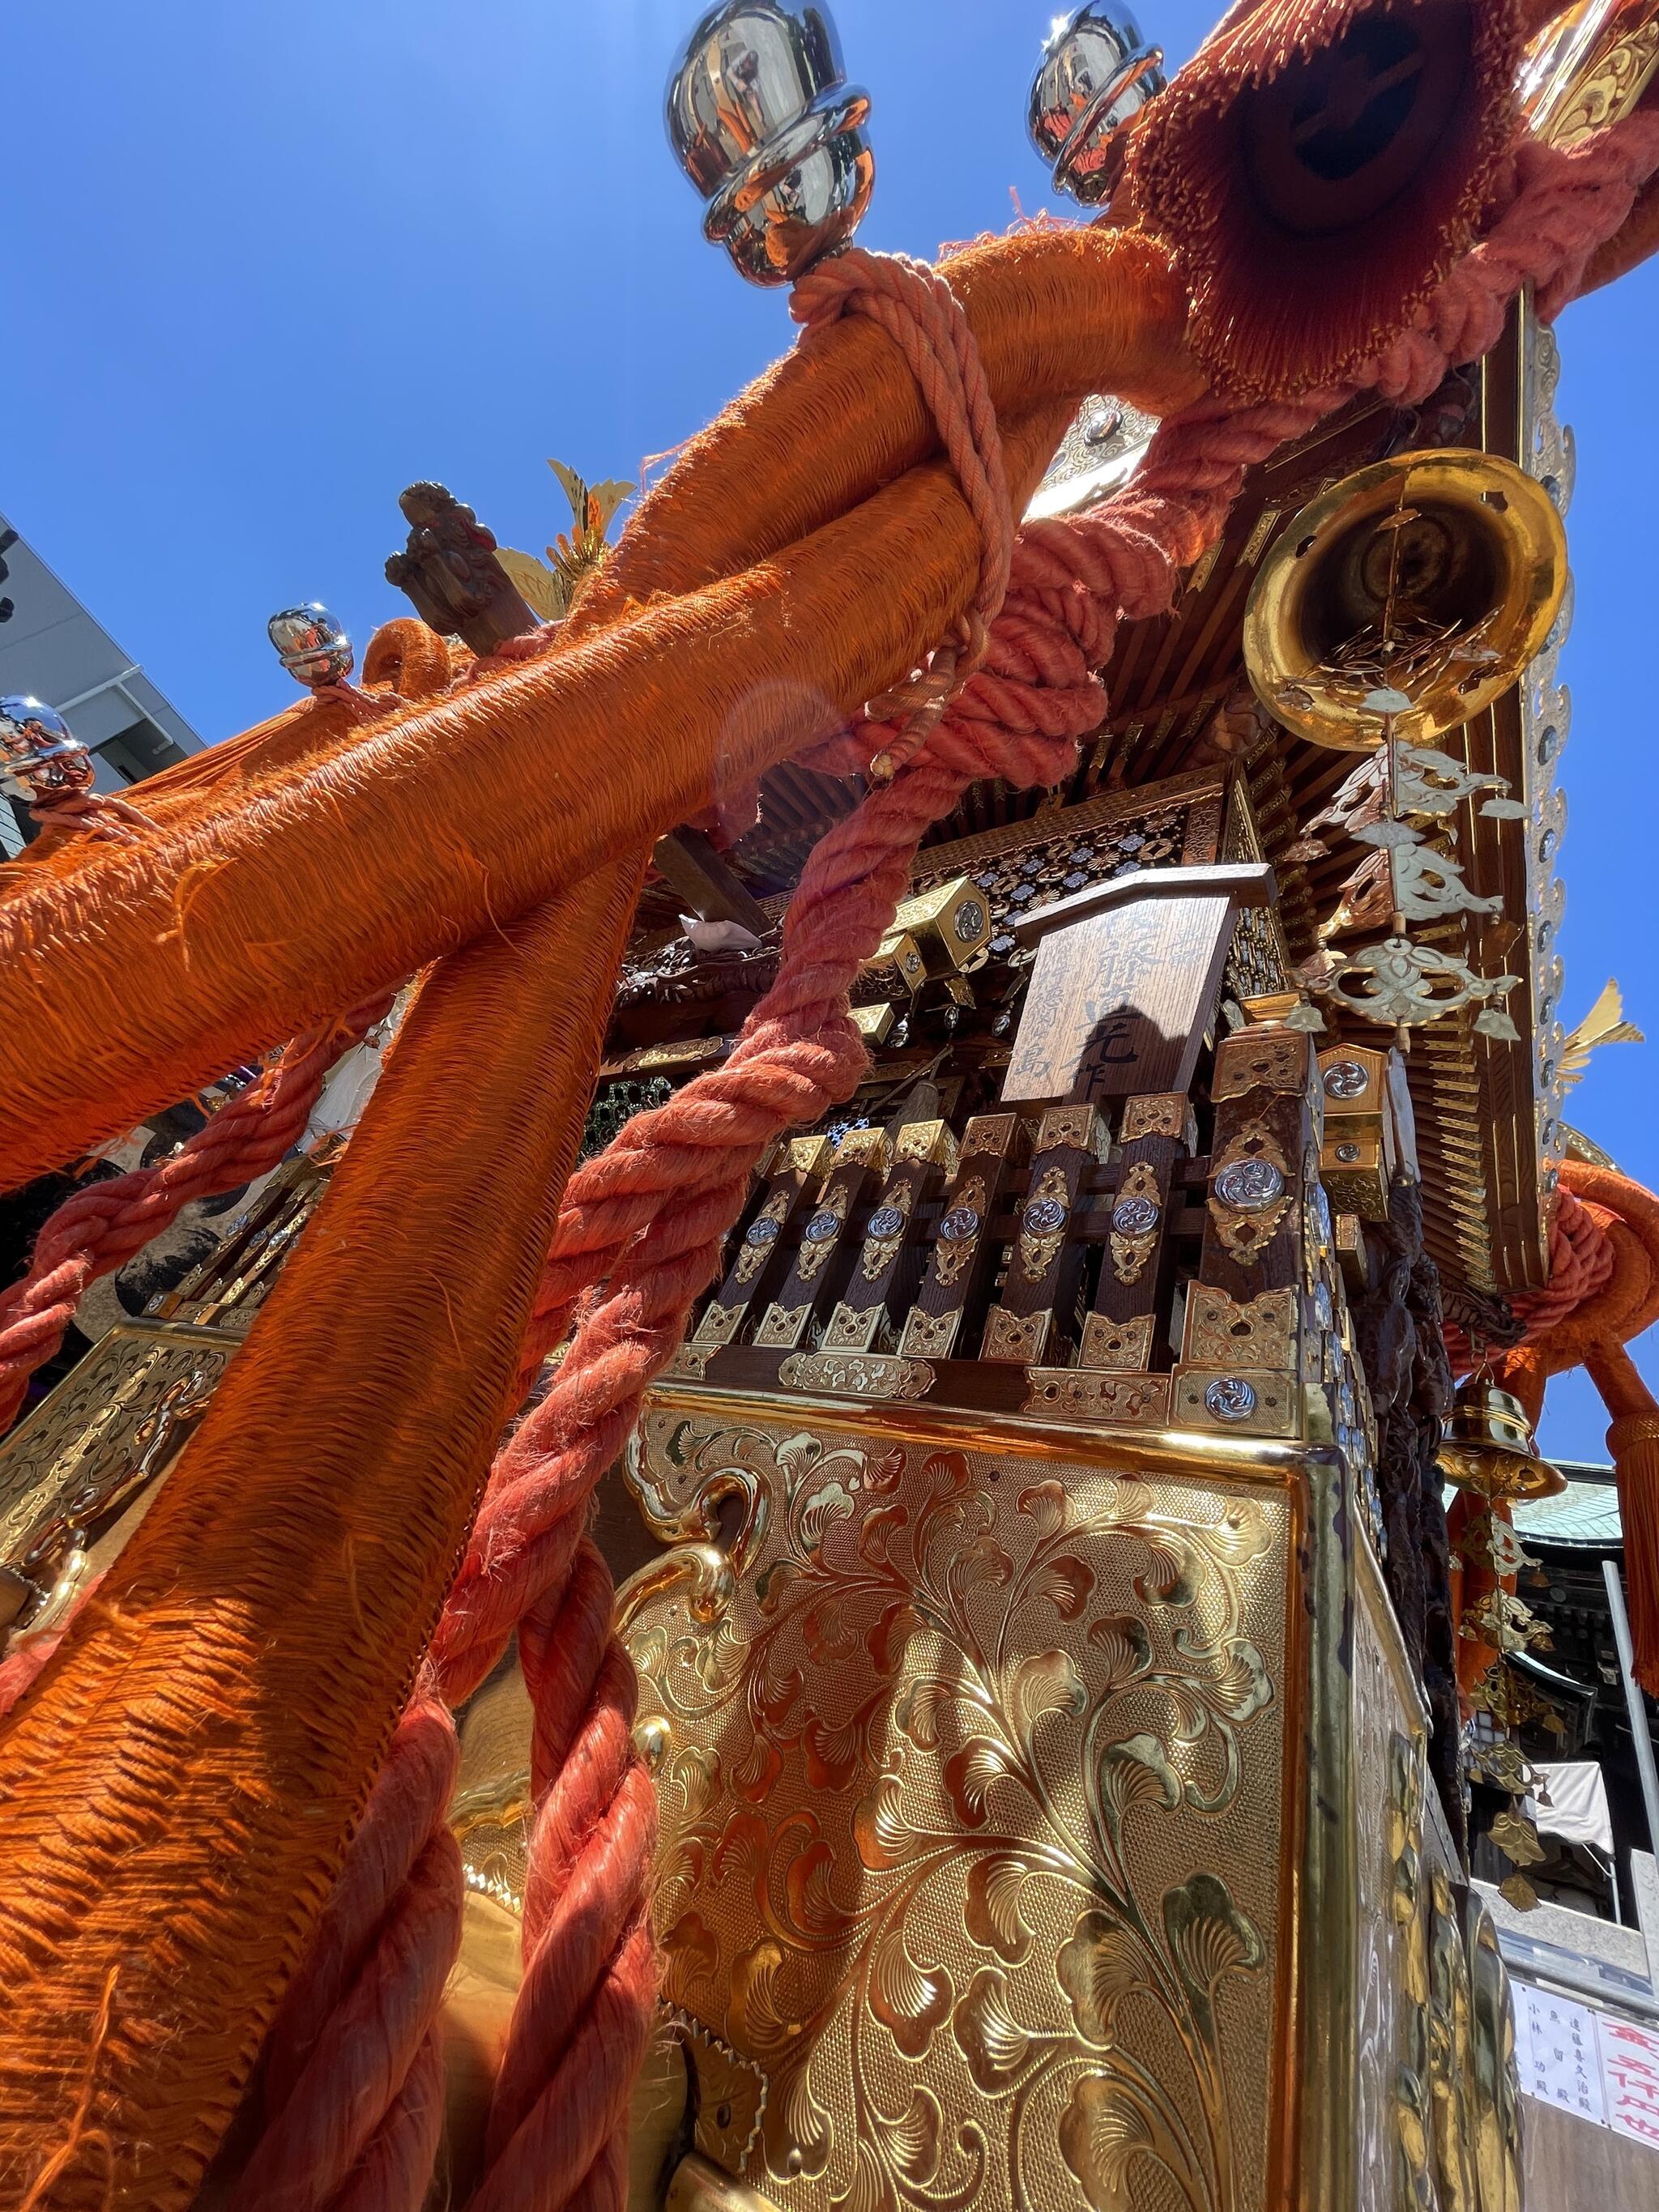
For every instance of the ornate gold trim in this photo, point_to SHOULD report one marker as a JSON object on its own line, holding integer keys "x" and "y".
{"x": 1133, "y": 1249}
{"x": 1160, "y": 1113}
{"x": 930, "y": 1336}
{"x": 1016, "y": 1339}
{"x": 857, "y": 1375}
{"x": 783, "y": 1328}
{"x": 1117, "y": 1347}
{"x": 1038, "y": 1248}
{"x": 1260, "y": 1333}
{"x": 1080, "y": 1394}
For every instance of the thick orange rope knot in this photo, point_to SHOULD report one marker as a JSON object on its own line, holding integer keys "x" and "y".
{"x": 922, "y": 314}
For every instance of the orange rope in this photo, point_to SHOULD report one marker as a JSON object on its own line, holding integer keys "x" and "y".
{"x": 178, "y": 1789}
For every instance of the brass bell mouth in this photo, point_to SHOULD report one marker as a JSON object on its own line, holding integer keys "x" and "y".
{"x": 1489, "y": 1448}
{"x": 1433, "y": 579}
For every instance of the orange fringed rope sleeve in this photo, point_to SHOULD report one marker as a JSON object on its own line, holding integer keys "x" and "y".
{"x": 1056, "y": 313}
{"x": 176, "y": 1792}
{"x": 243, "y": 926}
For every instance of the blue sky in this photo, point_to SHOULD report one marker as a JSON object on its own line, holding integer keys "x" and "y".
{"x": 263, "y": 266}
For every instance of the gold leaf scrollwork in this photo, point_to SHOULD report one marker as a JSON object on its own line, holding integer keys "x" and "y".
{"x": 924, "y": 1782}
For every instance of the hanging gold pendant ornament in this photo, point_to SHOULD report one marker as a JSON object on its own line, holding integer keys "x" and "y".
{"x": 1407, "y": 986}
{"x": 1436, "y": 575}
{"x": 1489, "y": 1447}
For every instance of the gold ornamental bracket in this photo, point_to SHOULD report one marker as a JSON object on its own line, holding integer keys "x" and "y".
{"x": 1437, "y": 576}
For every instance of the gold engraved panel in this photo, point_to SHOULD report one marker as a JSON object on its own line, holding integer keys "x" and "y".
{"x": 974, "y": 1795}
{"x": 109, "y": 1425}
{"x": 1119, "y": 1347}
{"x": 1130, "y": 1401}
{"x": 1160, "y": 1113}
{"x": 854, "y": 1332}
{"x": 1279, "y": 1060}
{"x": 1386, "y": 1715}
{"x": 856, "y": 1375}
{"x": 719, "y": 1325}
{"x": 1020, "y": 1339}
{"x": 1260, "y": 1333}
{"x": 930, "y": 1336}
{"x": 783, "y": 1328}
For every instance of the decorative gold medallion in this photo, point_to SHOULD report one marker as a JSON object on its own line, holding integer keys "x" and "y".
{"x": 885, "y": 1232}
{"x": 1250, "y": 1191}
{"x": 1136, "y": 1216}
{"x": 959, "y": 1232}
{"x": 761, "y": 1235}
{"x": 1042, "y": 1224}
{"x": 822, "y": 1233}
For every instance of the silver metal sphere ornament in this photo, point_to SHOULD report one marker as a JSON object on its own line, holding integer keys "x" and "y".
{"x": 1097, "y": 74}
{"x": 40, "y": 759}
{"x": 311, "y": 645}
{"x": 763, "y": 121}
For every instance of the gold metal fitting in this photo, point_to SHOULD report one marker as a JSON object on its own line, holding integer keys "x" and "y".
{"x": 1435, "y": 577}
{"x": 1489, "y": 1447}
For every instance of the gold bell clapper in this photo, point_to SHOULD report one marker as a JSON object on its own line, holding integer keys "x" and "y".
{"x": 1436, "y": 575}
{"x": 1489, "y": 1449}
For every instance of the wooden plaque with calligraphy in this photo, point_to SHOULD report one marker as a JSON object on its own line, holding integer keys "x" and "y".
{"x": 1125, "y": 982}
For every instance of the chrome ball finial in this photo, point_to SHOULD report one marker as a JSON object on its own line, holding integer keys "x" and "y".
{"x": 1097, "y": 74}
{"x": 311, "y": 645}
{"x": 41, "y": 759}
{"x": 762, "y": 119}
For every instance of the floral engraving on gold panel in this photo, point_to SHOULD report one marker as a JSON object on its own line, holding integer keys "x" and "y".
{"x": 690, "y": 1362}
{"x": 850, "y": 1375}
{"x": 1120, "y": 1348}
{"x": 1261, "y": 1332}
{"x": 1131, "y": 1401}
{"x": 968, "y": 1800}
{"x": 1159, "y": 1113}
{"x": 719, "y": 1326}
{"x": 1252, "y": 1062}
{"x": 930, "y": 1336}
{"x": 854, "y": 1332}
{"x": 1020, "y": 1339}
{"x": 783, "y": 1328}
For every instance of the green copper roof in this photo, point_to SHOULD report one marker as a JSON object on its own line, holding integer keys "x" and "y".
{"x": 1586, "y": 1512}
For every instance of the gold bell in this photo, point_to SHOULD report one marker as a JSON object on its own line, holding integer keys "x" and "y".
{"x": 1488, "y": 1448}
{"x": 1437, "y": 576}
